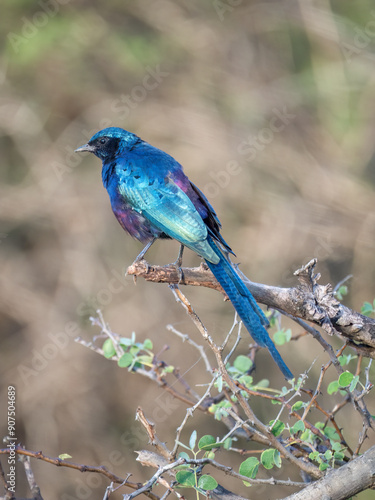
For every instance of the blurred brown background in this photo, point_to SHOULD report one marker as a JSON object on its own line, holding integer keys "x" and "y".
{"x": 270, "y": 108}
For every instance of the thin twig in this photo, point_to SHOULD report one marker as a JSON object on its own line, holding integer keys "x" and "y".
{"x": 189, "y": 413}
{"x": 101, "y": 469}
{"x": 306, "y": 467}
{"x": 200, "y": 348}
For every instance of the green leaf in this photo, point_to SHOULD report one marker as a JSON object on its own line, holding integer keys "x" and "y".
{"x": 193, "y": 440}
{"x": 227, "y": 443}
{"x": 249, "y": 468}
{"x": 367, "y": 309}
{"x": 328, "y": 455}
{"x": 145, "y": 359}
{"x": 345, "y": 379}
{"x": 242, "y": 363}
{"x": 64, "y": 456}
{"x": 207, "y": 443}
{"x": 269, "y": 458}
{"x": 354, "y": 383}
{"x": 211, "y": 455}
{"x": 147, "y": 344}
{"x": 109, "y": 350}
{"x": 207, "y": 483}
{"x": 277, "y": 459}
{"x": 323, "y": 466}
{"x": 186, "y": 478}
{"x": 341, "y": 292}
{"x": 333, "y": 387}
{"x": 307, "y": 436}
{"x": 219, "y": 383}
{"x": 282, "y": 336}
{"x": 331, "y": 433}
{"x": 125, "y": 360}
{"x": 314, "y": 455}
{"x": 184, "y": 455}
{"x": 299, "y": 426}
{"x": 339, "y": 455}
{"x": 246, "y": 380}
{"x": 277, "y": 428}
{"x": 298, "y": 405}
{"x": 336, "y": 446}
{"x": 168, "y": 369}
{"x": 125, "y": 342}
{"x": 134, "y": 349}
{"x": 263, "y": 383}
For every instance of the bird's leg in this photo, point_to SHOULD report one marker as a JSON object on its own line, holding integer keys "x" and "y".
{"x": 141, "y": 255}
{"x": 178, "y": 262}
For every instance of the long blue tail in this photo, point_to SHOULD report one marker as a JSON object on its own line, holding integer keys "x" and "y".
{"x": 246, "y": 306}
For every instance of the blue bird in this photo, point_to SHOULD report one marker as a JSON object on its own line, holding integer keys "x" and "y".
{"x": 152, "y": 198}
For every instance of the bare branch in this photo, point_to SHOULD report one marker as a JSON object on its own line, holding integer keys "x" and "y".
{"x": 342, "y": 483}
{"x": 81, "y": 467}
{"x": 309, "y": 300}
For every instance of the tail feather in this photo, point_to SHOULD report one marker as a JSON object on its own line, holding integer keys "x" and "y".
{"x": 247, "y": 308}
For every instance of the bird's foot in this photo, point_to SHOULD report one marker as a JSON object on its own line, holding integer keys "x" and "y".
{"x": 177, "y": 265}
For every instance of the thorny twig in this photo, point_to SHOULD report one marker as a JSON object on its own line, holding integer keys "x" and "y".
{"x": 306, "y": 467}
{"x": 101, "y": 469}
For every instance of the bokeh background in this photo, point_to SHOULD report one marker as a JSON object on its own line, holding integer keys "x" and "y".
{"x": 269, "y": 105}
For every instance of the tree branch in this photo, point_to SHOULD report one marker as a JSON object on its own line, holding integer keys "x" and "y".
{"x": 308, "y": 301}
{"x": 350, "y": 479}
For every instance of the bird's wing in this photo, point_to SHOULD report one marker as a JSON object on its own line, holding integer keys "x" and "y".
{"x": 166, "y": 206}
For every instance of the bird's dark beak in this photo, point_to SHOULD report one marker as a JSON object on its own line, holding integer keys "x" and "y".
{"x": 85, "y": 147}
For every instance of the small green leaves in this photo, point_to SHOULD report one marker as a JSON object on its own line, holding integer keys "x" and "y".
{"x": 135, "y": 354}
{"x": 299, "y": 426}
{"x": 108, "y": 349}
{"x": 147, "y": 344}
{"x": 341, "y": 292}
{"x": 186, "y": 477}
{"x": 353, "y": 383}
{"x": 367, "y": 309}
{"x": 333, "y": 387}
{"x": 282, "y": 336}
{"x": 271, "y": 457}
{"x": 64, "y": 456}
{"x": 193, "y": 440}
{"x": 242, "y": 363}
{"x": 249, "y": 468}
{"x": 298, "y": 405}
{"x": 207, "y": 443}
{"x": 277, "y": 427}
{"x": 219, "y": 409}
{"x": 207, "y": 483}
{"x": 344, "y": 359}
{"x": 345, "y": 379}
{"x": 125, "y": 360}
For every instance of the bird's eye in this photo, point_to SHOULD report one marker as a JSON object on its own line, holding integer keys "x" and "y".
{"x": 103, "y": 140}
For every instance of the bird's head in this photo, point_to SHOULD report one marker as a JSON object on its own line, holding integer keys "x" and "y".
{"x": 109, "y": 142}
